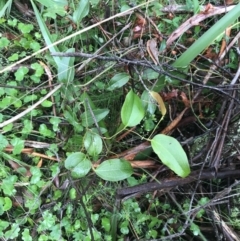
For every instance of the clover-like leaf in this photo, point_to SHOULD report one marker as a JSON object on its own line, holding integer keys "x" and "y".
{"x": 78, "y": 164}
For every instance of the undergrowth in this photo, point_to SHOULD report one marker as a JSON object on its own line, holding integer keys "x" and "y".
{"x": 111, "y": 133}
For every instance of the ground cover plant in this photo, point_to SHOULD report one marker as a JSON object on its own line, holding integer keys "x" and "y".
{"x": 119, "y": 120}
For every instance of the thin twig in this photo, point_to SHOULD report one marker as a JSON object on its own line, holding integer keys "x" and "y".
{"x": 102, "y": 47}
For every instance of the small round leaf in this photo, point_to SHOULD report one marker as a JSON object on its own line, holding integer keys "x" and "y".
{"x": 78, "y": 164}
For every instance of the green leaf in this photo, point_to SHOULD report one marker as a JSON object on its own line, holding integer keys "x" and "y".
{"x": 87, "y": 118}
{"x": 3, "y": 226}
{"x": 18, "y": 145}
{"x": 55, "y": 121}
{"x": 48, "y": 221}
{"x": 207, "y": 38}
{"x": 132, "y": 111}
{"x": 55, "y": 6}
{"x": 36, "y": 175}
{"x": 72, "y": 193}
{"x": 78, "y": 164}
{"x": 118, "y": 80}
{"x": 171, "y": 154}
{"x": 35, "y": 46}
{"x": 45, "y": 131}
{"x": 13, "y": 232}
{"x": 114, "y": 170}
{"x": 149, "y": 74}
{"x": 92, "y": 143}
{"x": 39, "y": 71}
{"x": 27, "y": 126}
{"x": 3, "y": 142}
{"x": 4, "y": 42}
{"x": 46, "y": 103}
{"x": 8, "y": 185}
{"x": 20, "y": 73}
{"x": 5, "y": 9}
{"x": 46, "y": 35}
{"x": 195, "y": 229}
{"x": 8, "y": 127}
{"x": 81, "y": 11}
{"x": 30, "y": 98}
{"x": 66, "y": 70}
{"x": 25, "y": 28}
{"x": 7, "y": 204}
{"x": 106, "y": 224}
{"x": 13, "y": 57}
{"x": 3, "y": 206}
{"x": 148, "y": 102}
{"x": 26, "y": 235}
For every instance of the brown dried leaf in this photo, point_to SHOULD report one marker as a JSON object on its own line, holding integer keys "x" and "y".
{"x": 160, "y": 102}
{"x": 153, "y": 50}
{"x": 40, "y": 163}
{"x": 185, "y": 99}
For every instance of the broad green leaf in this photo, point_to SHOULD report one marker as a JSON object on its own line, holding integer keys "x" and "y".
{"x": 171, "y": 154}
{"x": 118, "y": 80}
{"x": 88, "y": 120}
{"x": 114, "y": 170}
{"x": 78, "y": 164}
{"x": 81, "y": 11}
{"x": 132, "y": 111}
{"x": 92, "y": 143}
